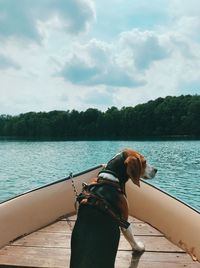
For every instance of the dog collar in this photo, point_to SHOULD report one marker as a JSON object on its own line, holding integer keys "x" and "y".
{"x": 108, "y": 176}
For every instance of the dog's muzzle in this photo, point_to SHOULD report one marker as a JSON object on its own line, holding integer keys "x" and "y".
{"x": 149, "y": 172}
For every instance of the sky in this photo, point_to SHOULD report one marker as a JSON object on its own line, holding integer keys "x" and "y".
{"x": 80, "y": 54}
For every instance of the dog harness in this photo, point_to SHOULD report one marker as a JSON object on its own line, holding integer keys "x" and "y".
{"x": 89, "y": 197}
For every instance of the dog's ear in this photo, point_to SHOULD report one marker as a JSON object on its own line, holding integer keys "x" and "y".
{"x": 134, "y": 168}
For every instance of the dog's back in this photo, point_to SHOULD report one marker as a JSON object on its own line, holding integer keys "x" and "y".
{"x": 95, "y": 239}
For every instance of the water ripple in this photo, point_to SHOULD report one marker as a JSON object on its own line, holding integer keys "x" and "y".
{"x": 27, "y": 165}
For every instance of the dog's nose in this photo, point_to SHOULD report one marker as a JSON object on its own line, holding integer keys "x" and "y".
{"x": 155, "y": 169}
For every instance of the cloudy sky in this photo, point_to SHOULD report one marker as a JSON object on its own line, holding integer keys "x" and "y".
{"x": 76, "y": 54}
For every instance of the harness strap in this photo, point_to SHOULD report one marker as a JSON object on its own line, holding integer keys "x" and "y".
{"x": 89, "y": 198}
{"x": 101, "y": 181}
{"x": 119, "y": 186}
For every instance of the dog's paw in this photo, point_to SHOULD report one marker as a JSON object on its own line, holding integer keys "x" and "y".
{"x": 139, "y": 247}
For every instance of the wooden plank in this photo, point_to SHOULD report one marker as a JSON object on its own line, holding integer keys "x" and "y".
{"x": 155, "y": 243}
{"x": 59, "y": 227}
{"x": 35, "y": 256}
{"x": 154, "y": 259}
{"x": 50, "y": 247}
{"x": 59, "y": 257}
{"x": 143, "y": 229}
{"x": 61, "y": 239}
{"x": 42, "y": 239}
{"x": 73, "y": 218}
{"x": 132, "y": 219}
{"x": 139, "y": 228}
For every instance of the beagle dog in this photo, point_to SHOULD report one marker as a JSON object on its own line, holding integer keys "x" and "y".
{"x": 103, "y": 211}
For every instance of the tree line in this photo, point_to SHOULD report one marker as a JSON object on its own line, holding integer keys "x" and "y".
{"x": 163, "y": 117}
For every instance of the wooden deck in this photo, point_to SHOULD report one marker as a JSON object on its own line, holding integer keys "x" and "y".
{"x": 50, "y": 247}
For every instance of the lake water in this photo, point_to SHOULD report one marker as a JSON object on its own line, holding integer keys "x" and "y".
{"x": 25, "y": 165}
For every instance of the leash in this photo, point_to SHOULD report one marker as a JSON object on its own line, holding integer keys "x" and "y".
{"x": 75, "y": 191}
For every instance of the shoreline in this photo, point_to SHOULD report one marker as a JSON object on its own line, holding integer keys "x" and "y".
{"x": 148, "y": 138}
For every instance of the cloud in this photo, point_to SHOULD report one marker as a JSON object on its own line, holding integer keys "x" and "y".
{"x": 100, "y": 97}
{"x": 184, "y": 18}
{"x": 97, "y": 63}
{"x": 79, "y": 72}
{"x": 179, "y": 8}
{"x": 16, "y": 19}
{"x": 78, "y": 14}
{"x": 82, "y": 73}
{"x": 24, "y": 19}
{"x": 120, "y": 64}
{"x": 57, "y": 54}
{"x": 144, "y": 47}
{"x": 6, "y": 63}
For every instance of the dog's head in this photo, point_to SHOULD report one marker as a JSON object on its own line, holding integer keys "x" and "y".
{"x": 130, "y": 164}
{"x": 137, "y": 167}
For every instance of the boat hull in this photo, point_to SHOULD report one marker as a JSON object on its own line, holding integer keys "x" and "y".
{"x": 38, "y": 208}
{"x": 176, "y": 220}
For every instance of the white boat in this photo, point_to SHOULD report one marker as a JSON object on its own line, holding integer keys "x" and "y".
{"x": 40, "y": 207}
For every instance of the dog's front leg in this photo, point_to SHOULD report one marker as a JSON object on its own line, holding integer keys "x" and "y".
{"x": 128, "y": 234}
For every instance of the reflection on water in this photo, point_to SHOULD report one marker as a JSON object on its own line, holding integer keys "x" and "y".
{"x": 27, "y": 165}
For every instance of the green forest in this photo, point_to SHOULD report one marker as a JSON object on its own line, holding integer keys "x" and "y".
{"x": 163, "y": 117}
